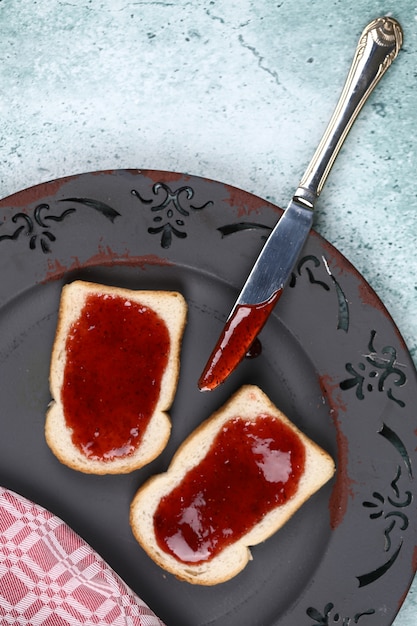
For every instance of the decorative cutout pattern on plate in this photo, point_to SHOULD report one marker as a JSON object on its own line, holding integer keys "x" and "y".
{"x": 343, "y": 306}
{"x": 382, "y": 366}
{"x": 38, "y": 227}
{"x": 329, "y": 616}
{"x": 171, "y": 211}
{"x": 237, "y": 227}
{"x": 390, "y": 508}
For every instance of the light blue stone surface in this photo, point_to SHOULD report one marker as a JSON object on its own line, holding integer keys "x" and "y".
{"x": 233, "y": 90}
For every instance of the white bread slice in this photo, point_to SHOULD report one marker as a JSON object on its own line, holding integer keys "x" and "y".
{"x": 168, "y": 305}
{"x": 248, "y": 403}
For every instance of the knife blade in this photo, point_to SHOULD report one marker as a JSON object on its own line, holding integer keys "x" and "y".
{"x": 378, "y": 46}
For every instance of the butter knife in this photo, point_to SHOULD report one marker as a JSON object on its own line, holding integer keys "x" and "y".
{"x": 378, "y": 46}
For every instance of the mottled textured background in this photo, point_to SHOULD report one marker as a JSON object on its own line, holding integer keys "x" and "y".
{"x": 233, "y": 90}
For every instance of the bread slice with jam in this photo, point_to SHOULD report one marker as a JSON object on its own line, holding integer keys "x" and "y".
{"x": 113, "y": 376}
{"x": 234, "y": 482}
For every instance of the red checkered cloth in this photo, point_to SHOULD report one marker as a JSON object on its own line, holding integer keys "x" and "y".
{"x": 50, "y": 577}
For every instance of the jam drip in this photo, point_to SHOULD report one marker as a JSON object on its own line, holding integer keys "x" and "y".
{"x": 251, "y": 468}
{"x": 236, "y": 341}
{"x": 117, "y": 352}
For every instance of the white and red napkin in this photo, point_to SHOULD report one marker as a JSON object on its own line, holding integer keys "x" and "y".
{"x": 50, "y": 577}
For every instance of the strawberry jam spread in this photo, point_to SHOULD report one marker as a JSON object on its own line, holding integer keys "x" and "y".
{"x": 251, "y": 468}
{"x": 116, "y": 354}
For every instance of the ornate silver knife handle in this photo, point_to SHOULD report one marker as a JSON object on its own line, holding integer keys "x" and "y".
{"x": 378, "y": 46}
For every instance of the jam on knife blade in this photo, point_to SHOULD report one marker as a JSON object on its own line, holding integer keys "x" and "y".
{"x": 240, "y": 331}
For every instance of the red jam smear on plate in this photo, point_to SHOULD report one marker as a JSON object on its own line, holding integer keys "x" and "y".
{"x": 116, "y": 354}
{"x": 252, "y": 467}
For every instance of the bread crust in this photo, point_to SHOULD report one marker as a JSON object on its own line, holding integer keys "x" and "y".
{"x": 247, "y": 403}
{"x": 172, "y": 308}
